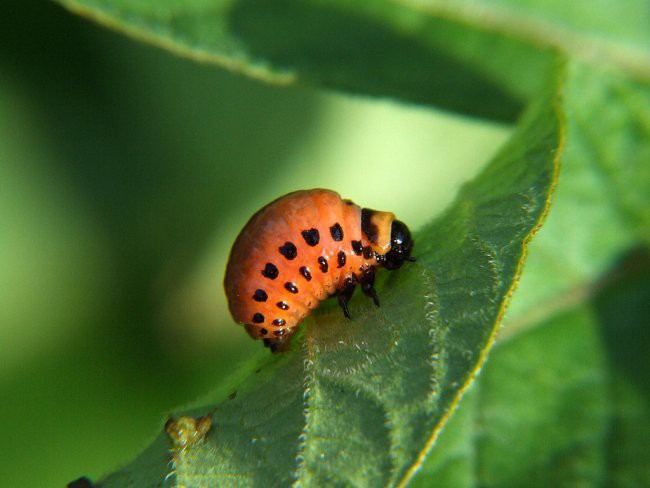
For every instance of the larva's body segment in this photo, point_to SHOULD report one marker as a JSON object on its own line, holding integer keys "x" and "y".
{"x": 299, "y": 250}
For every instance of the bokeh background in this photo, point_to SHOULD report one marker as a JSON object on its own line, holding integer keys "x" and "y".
{"x": 125, "y": 174}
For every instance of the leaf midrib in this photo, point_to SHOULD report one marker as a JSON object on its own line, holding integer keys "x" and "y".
{"x": 308, "y": 385}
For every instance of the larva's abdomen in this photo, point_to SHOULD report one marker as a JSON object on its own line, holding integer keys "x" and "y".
{"x": 293, "y": 253}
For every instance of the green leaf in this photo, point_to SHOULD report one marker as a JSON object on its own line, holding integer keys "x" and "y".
{"x": 564, "y": 398}
{"x": 597, "y": 32}
{"x": 353, "y": 47}
{"x": 359, "y": 403}
{"x": 603, "y": 203}
{"x": 477, "y": 57}
{"x": 561, "y": 404}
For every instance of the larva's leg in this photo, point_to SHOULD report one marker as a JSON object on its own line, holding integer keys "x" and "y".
{"x": 368, "y": 284}
{"x": 345, "y": 293}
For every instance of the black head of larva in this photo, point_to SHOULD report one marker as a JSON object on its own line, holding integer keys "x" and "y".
{"x": 401, "y": 245}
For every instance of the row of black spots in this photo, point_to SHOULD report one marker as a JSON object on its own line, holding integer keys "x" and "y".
{"x": 258, "y": 318}
{"x": 277, "y": 333}
{"x": 261, "y": 296}
{"x": 312, "y": 236}
{"x": 290, "y": 251}
{"x": 271, "y": 272}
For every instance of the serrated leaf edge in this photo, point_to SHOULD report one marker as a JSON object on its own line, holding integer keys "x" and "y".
{"x": 559, "y": 113}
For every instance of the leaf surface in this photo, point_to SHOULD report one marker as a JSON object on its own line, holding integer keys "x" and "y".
{"x": 596, "y": 33}
{"x": 564, "y": 397}
{"x": 359, "y": 402}
{"x": 476, "y": 57}
{"x": 353, "y": 47}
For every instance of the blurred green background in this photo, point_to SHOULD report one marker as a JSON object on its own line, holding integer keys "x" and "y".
{"x": 125, "y": 174}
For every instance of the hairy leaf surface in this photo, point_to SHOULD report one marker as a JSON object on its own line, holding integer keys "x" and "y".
{"x": 360, "y": 402}
{"x": 564, "y": 398}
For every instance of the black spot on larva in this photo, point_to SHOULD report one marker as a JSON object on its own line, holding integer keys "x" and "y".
{"x": 367, "y": 227}
{"x": 322, "y": 263}
{"x": 279, "y": 322}
{"x": 367, "y": 252}
{"x": 291, "y": 287}
{"x": 304, "y": 271}
{"x": 270, "y": 271}
{"x": 282, "y": 305}
{"x": 279, "y": 333}
{"x": 337, "y": 232}
{"x": 311, "y": 236}
{"x": 357, "y": 247}
{"x": 258, "y": 318}
{"x": 340, "y": 257}
{"x": 348, "y": 202}
{"x": 289, "y": 250}
{"x": 260, "y": 295}
{"x": 232, "y": 395}
{"x": 263, "y": 331}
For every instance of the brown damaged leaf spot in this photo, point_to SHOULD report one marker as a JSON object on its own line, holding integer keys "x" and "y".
{"x": 187, "y": 431}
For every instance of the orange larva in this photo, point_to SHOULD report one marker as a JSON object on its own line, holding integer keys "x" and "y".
{"x": 302, "y": 248}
